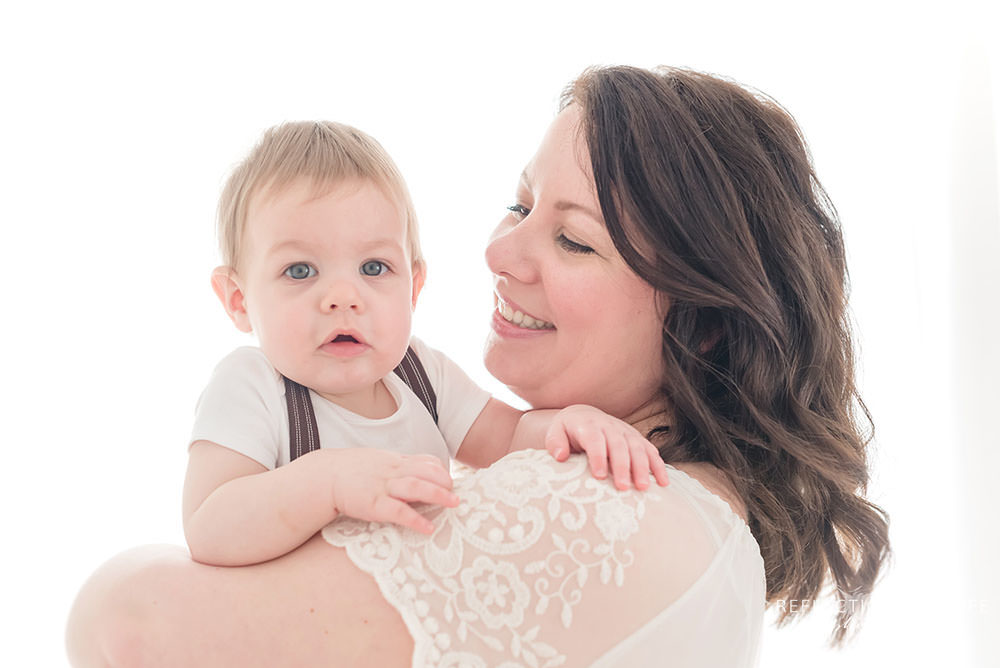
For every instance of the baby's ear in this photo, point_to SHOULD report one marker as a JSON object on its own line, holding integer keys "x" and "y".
{"x": 419, "y": 276}
{"x": 226, "y": 284}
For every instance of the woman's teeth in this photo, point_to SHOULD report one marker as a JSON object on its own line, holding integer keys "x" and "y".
{"x": 521, "y": 319}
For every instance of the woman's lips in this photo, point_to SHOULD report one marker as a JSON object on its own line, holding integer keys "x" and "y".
{"x": 509, "y": 330}
{"x": 516, "y": 315}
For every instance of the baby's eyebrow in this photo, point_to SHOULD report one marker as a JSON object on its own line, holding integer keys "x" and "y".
{"x": 365, "y": 246}
{"x": 384, "y": 242}
{"x": 294, "y": 244}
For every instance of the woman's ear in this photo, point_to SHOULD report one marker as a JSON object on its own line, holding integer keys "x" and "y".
{"x": 419, "y": 276}
{"x": 225, "y": 283}
{"x": 713, "y": 328}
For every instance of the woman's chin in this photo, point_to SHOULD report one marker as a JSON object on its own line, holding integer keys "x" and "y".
{"x": 522, "y": 377}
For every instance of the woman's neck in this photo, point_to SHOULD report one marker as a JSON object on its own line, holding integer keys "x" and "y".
{"x": 654, "y": 413}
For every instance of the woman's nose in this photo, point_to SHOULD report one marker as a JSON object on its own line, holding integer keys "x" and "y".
{"x": 511, "y": 251}
{"x": 342, "y": 295}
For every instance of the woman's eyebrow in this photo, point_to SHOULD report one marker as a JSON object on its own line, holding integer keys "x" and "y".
{"x": 566, "y": 205}
{"x": 563, "y": 205}
{"x": 525, "y": 179}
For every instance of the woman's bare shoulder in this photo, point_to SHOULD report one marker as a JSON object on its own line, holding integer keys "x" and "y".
{"x": 715, "y": 481}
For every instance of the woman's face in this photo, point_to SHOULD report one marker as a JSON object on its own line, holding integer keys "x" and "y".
{"x": 593, "y": 334}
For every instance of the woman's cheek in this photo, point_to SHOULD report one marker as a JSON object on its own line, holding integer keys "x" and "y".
{"x": 583, "y": 300}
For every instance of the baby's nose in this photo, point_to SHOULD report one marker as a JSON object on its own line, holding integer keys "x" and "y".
{"x": 342, "y": 295}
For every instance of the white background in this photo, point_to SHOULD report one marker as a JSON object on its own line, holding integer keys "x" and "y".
{"x": 120, "y": 122}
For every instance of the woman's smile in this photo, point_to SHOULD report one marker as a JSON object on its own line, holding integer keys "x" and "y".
{"x": 514, "y": 314}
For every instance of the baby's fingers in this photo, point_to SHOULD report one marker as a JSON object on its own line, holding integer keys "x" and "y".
{"x": 657, "y": 466}
{"x": 388, "y": 509}
{"x": 431, "y": 470}
{"x": 639, "y": 459}
{"x": 427, "y": 459}
{"x": 417, "y": 490}
{"x": 619, "y": 455}
{"x": 557, "y": 442}
{"x": 596, "y": 447}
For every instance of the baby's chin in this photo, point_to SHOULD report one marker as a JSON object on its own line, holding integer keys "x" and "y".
{"x": 343, "y": 382}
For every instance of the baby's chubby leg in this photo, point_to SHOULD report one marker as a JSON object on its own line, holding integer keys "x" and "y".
{"x": 153, "y": 606}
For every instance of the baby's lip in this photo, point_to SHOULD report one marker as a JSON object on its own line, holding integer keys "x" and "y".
{"x": 346, "y": 336}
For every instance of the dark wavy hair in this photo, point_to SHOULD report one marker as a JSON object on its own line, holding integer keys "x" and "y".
{"x": 709, "y": 194}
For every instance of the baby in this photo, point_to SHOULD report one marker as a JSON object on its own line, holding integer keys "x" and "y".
{"x": 340, "y": 410}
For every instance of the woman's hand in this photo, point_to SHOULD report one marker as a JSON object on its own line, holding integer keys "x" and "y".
{"x": 379, "y": 486}
{"x": 606, "y": 440}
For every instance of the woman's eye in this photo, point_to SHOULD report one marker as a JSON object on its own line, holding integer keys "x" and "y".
{"x": 374, "y": 268}
{"x": 520, "y": 211}
{"x": 300, "y": 271}
{"x": 573, "y": 247}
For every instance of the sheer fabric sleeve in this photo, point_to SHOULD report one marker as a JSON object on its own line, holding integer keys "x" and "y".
{"x": 542, "y": 565}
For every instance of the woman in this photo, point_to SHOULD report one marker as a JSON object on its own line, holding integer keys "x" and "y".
{"x": 671, "y": 230}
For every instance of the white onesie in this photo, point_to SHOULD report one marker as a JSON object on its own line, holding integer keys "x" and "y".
{"x": 243, "y": 409}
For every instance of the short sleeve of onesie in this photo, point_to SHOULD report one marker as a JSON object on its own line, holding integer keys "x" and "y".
{"x": 242, "y": 408}
{"x": 459, "y": 399}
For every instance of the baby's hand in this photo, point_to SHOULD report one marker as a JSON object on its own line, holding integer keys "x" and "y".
{"x": 605, "y": 439}
{"x": 379, "y": 486}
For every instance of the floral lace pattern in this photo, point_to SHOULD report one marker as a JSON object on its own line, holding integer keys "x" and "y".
{"x": 507, "y": 563}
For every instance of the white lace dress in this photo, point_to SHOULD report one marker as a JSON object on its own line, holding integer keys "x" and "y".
{"x": 542, "y": 565}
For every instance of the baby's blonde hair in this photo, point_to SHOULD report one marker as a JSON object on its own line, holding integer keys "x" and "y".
{"x": 325, "y": 153}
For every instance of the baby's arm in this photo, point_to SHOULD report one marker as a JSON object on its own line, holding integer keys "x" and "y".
{"x": 501, "y": 429}
{"x": 237, "y": 512}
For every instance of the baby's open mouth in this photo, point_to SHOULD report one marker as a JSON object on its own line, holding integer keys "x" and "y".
{"x": 345, "y": 345}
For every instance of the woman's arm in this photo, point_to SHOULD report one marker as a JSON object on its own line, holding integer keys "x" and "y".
{"x": 153, "y": 606}
{"x": 315, "y": 606}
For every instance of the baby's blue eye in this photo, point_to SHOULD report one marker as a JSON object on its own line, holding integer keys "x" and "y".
{"x": 374, "y": 268}
{"x": 300, "y": 271}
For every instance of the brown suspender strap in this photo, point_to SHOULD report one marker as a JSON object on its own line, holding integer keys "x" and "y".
{"x": 413, "y": 374}
{"x": 303, "y": 432}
